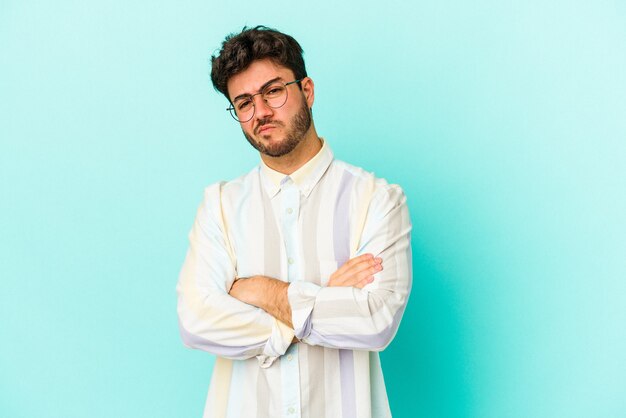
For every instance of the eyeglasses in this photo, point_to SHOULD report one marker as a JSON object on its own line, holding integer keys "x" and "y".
{"x": 274, "y": 95}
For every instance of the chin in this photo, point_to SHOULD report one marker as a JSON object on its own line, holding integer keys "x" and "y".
{"x": 271, "y": 140}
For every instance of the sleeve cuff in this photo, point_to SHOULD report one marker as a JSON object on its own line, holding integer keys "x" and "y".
{"x": 302, "y": 297}
{"x": 276, "y": 345}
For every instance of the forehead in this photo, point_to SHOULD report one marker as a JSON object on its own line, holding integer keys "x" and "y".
{"x": 250, "y": 80}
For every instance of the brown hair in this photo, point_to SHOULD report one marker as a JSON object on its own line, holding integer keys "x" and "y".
{"x": 241, "y": 49}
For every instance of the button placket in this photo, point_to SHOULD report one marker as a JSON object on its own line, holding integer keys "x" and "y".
{"x": 289, "y": 211}
{"x": 290, "y": 208}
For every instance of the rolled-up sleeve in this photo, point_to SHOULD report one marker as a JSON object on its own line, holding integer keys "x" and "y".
{"x": 209, "y": 318}
{"x": 368, "y": 318}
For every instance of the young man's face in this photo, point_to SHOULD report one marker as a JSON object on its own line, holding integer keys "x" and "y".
{"x": 273, "y": 131}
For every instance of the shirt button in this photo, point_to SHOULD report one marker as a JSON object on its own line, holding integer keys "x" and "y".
{"x": 289, "y": 211}
{"x": 291, "y": 410}
{"x": 289, "y": 357}
{"x": 290, "y": 260}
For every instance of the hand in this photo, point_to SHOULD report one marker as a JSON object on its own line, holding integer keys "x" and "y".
{"x": 357, "y": 272}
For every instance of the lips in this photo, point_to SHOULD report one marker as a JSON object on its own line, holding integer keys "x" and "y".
{"x": 265, "y": 128}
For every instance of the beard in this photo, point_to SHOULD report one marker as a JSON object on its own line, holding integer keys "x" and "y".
{"x": 299, "y": 125}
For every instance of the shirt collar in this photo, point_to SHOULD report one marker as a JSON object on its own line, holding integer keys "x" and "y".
{"x": 305, "y": 178}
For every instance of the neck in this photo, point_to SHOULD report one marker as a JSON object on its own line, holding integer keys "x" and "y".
{"x": 306, "y": 149}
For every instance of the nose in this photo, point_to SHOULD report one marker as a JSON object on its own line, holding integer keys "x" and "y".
{"x": 262, "y": 109}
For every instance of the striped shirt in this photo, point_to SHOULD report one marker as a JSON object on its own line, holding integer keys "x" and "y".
{"x": 300, "y": 229}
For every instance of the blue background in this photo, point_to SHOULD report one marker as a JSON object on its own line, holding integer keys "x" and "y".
{"x": 503, "y": 121}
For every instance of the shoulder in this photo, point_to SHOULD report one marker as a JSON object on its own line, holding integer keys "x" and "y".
{"x": 381, "y": 191}
{"x": 232, "y": 188}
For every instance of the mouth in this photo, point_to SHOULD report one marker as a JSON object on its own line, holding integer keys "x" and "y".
{"x": 265, "y": 129}
{"x": 267, "y": 126}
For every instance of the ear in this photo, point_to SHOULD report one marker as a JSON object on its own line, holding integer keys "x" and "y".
{"x": 308, "y": 89}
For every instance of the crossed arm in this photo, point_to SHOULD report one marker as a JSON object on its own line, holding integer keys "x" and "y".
{"x": 271, "y": 294}
{"x": 260, "y": 316}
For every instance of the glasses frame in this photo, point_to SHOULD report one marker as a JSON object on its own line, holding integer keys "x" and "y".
{"x": 231, "y": 109}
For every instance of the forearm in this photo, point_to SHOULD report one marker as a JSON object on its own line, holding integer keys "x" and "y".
{"x": 347, "y": 317}
{"x": 367, "y": 318}
{"x": 266, "y": 293}
{"x": 344, "y": 314}
{"x": 225, "y": 327}
{"x": 344, "y": 317}
{"x": 209, "y": 318}
{"x": 213, "y": 321}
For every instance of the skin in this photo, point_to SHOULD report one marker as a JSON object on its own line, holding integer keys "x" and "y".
{"x": 286, "y": 139}
{"x": 270, "y": 127}
{"x": 270, "y": 294}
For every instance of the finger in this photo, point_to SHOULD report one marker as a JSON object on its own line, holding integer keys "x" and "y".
{"x": 358, "y": 259}
{"x": 365, "y": 274}
{"x": 355, "y": 273}
{"x": 348, "y": 265}
{"x": 355, "y": 270}
{"x": 364, "y": 282}
{"x": 364, "y": 265}
{"x": 355, "y": 279}
{"x": 370, "y": 271}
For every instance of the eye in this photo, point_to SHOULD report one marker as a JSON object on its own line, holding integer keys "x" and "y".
{"x": 273, "y": 91}
{"x": 243, "y": 104}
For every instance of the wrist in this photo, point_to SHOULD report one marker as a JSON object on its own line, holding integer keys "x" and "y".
{"x": 244, "y": 289}
{"x": 258, "y": 289}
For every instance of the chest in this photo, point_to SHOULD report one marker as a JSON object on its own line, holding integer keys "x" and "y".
{"x": 293, "y": 236}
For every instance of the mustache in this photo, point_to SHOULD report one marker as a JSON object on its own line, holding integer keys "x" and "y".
{"x": 266, "y": 121}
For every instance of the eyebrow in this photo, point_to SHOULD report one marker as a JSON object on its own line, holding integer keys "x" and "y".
{"x": 267, "y": 83}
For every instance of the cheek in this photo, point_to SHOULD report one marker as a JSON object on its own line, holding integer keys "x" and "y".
{"x": 247, "y": 128}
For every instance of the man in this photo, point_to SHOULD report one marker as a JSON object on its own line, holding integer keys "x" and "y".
{"x": 284, "y": 277}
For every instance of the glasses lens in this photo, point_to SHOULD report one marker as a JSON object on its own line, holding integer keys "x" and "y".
{"x": 243, "y": 109}
{"x": 232, "y": 112}
{"x": 275, "y": 95}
